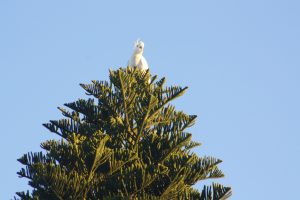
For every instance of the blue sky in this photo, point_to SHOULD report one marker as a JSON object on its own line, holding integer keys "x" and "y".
{"x": 240, "y": 60}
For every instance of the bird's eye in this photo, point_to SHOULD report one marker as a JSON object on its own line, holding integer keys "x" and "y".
{"x": 140, "y": 47}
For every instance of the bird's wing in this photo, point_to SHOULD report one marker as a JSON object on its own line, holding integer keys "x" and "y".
{"x": 144, "y": 64}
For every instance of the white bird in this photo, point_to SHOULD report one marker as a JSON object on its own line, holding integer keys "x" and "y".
{"x": 137, "y": 59}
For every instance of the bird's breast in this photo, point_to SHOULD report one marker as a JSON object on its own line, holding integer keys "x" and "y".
{"x": 135, "y": 60}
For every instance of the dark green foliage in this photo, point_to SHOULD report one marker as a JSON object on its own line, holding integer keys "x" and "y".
{"x": 126, "y": 142}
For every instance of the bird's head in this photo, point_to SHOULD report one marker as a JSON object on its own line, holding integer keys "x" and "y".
{"x": 139, "y": 47}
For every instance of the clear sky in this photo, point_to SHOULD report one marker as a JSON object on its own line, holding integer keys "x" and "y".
{"x": 240, "y": 60}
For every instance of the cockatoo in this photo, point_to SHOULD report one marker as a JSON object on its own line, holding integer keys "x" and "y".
{"x": 137, "y": 59}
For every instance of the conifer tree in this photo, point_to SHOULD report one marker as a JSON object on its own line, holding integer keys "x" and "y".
{"x": 124, "y": 142}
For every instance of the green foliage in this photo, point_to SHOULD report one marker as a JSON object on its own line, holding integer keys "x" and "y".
{"x": 126, "y": 142}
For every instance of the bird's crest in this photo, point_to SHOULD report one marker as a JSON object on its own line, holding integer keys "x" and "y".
{"x": 138, "y": 42}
